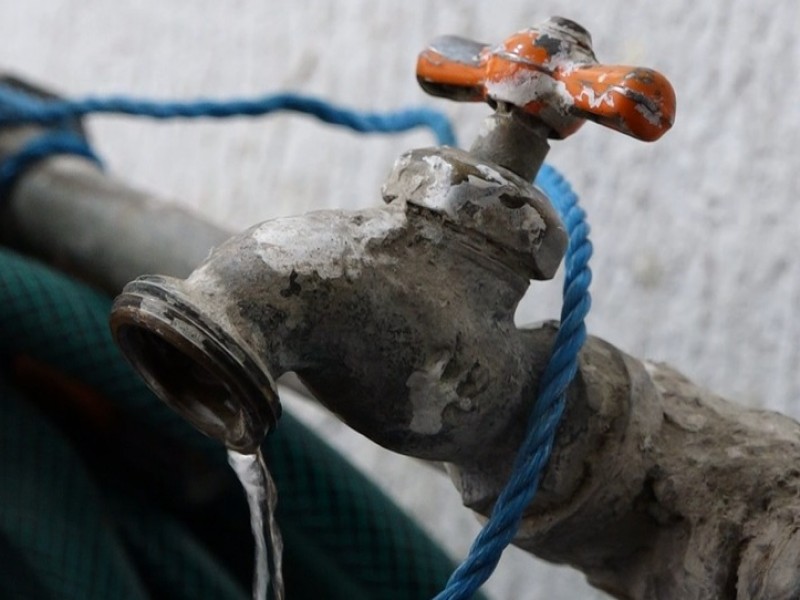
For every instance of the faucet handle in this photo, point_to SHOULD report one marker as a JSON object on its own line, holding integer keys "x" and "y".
{"x": 550, "y": 73}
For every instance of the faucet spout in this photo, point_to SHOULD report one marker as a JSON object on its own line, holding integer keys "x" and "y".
{"x": 398, "y": 318}
{"x": 195, "y": 365}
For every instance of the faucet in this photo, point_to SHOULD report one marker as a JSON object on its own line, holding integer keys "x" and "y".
{"x": 399, "y": 318}
{"x": 655, "y": 488}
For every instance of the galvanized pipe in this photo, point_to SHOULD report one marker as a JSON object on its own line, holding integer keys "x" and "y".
{"x": 67, "y": 212}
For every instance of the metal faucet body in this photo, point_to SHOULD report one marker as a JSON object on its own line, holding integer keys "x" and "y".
{"x": 386, "y": 314}
{"x": 400, "y": 319}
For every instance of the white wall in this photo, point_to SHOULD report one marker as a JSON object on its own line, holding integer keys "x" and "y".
{"x": 697, "y": 236}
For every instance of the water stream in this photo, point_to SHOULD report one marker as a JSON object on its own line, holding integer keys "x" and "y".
{"x": 262, "y": 497}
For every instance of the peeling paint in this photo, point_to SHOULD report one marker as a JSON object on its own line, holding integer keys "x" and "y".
{"x": 595, "y": 100}
{"x": 429, "y": 395}
{"x": 329, "y": 246}
{"x": 550, "y": 72}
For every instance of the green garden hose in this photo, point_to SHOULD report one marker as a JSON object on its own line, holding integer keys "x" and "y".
{"x": 105, "y": 493}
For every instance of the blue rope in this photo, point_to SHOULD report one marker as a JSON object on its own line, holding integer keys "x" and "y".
{"x": 42, "y": 146}
{"x": 532, "y": 457}
{"x": 17, "y": 107}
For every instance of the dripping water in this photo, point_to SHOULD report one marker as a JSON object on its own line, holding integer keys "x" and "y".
{"x": 262, "y": 497}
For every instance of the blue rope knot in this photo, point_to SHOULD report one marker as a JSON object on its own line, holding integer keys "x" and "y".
{"x": 17, "y": 107}
{"x": 45, "y": 145}
{"x": 62, "y": 137}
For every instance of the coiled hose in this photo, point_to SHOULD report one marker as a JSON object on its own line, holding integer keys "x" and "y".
{"x": 105, "y": 493}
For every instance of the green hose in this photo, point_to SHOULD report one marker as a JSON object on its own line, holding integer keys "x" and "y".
{"x": 131, "y": 502}
{"x": 72, "y": 539}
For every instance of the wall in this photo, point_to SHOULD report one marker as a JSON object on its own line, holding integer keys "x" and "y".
{"x": 697, "y": 236}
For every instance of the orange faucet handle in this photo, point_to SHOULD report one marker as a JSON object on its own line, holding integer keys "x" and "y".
{"x": 550, "y": 72}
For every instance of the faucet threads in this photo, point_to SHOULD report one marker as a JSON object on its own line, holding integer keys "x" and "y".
{"x": 194, "y": 366}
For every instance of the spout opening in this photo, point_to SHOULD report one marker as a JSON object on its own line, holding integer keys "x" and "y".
{"x": 193, "y": 365}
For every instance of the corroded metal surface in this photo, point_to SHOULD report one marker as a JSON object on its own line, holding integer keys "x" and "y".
{"x": 657, "y": 488}
{"x": 504, "y": 212}
{"x": 385, "y": 314}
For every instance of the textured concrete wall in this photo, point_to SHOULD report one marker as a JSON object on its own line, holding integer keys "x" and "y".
{"x": 697, "y": 237}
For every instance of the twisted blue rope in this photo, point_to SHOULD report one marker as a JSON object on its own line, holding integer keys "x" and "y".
{"x": 42, "y": 146}
{"x": 532, "y": 457}
{"x": 17, "y": 107}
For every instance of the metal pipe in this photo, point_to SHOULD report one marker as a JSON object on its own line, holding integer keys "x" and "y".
{"x": 69, "y": 213}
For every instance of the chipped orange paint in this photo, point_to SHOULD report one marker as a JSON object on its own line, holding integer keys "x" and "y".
{"x": 633, "y": 100}
{"x": 551, "y": 72}
{"x": 435, "y": 67}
